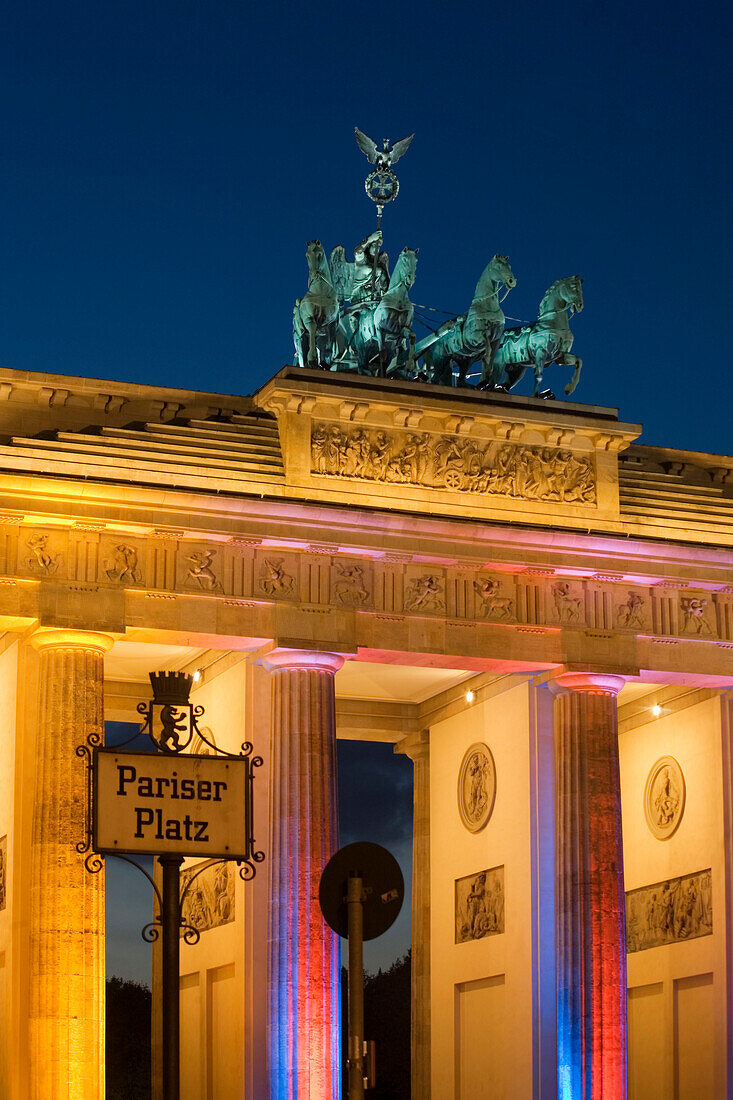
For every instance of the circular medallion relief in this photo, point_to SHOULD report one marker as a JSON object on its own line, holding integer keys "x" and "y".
{"x": 476, "y": 787}
{"x": 664, "y": 797}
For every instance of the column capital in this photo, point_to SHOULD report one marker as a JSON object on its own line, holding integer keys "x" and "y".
{"x": 304, "y": 659}
{"x": 589, "y": 683}
{"x": 415, "y": 745}
{"x": 53, "y": 638}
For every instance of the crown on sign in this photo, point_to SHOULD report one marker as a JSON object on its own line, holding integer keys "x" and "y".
{"x": 171, "y": 687}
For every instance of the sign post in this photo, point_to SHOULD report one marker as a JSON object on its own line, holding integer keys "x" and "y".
{"x": 360, "y": 894}
{"x": 170, "y": 803}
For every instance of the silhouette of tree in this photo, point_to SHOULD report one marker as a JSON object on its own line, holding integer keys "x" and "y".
{"x": 128, "y": 1040}
{"x": 387, "y": 1023}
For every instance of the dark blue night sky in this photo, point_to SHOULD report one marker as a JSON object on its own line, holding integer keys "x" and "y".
{"x": 163, "y": 165}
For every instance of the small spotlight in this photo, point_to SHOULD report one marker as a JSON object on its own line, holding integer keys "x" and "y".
{"x": 197, "y": 675}
{"x": 656, "y": 710}
{"x": 470, "y": 696}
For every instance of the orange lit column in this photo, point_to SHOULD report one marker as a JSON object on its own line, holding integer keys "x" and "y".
{"x": 67, "y": 902}
{"x": 591, "y": 949}
{"x": 303, "y": 973}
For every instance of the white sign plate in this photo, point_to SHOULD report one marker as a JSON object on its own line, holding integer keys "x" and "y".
{"x": 158, "y": 804}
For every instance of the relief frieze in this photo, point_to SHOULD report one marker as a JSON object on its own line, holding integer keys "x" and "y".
{"x": 672, "y": 911}
{"x": 41, "y": 559}
{"x": 493, "y": 604}
{"x": 351, "y": 584}
{"x": 123, "y": 565}
{"x": 453, "y": 463}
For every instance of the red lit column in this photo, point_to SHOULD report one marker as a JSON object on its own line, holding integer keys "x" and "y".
{"x": 303, "y": 972}
{"x": 591, "y": 948}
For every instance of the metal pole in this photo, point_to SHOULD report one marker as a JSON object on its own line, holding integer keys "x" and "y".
{"x": 356, "y": 987}
{"x": 170, "y": 918}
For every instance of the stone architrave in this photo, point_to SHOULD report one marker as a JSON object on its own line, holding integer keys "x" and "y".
{"x": 591, "y": 950}
{"x": 66, "y": 933}
{"x": 304, "y": 1041}
{"x": 417, "y": 747}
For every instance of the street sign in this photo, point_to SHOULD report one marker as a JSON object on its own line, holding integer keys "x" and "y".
{"x": 161, "y": 804}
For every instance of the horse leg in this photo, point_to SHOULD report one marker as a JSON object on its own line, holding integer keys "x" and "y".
{"x": 312, "y": 346}
{"x": 513, "y": 375}
{"x": 539, "y": 367}
{"x": 569, "y": 359}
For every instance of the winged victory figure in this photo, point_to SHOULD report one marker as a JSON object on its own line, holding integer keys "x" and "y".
{"x": 383, "y": 158}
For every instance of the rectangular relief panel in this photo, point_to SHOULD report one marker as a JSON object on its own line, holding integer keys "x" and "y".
{"x": 209, "y": 898}
{"x": 694, "y": 1038}
{"x": 647, "y": 1076}
{"x": 480, "y": 1047}
{"x": 480, "y": 905}
{"x": 672, "y": 911}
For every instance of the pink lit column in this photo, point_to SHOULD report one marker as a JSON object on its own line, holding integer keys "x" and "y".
{"x": 591, "y": 949}
{"x": 303, "y": 975}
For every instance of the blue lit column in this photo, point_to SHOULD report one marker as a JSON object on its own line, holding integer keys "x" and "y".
{"x": 303, "y": 970}
{"x": 591, "y": 946}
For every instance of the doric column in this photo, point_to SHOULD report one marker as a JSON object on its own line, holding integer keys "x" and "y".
{"x": 304, "y": 973}
{"x": 67, "y": 903}
{"x": 417, "y": 747}
{"x": 591, "y": 948}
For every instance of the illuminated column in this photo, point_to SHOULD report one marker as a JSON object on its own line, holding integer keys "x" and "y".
{"x": 66, "y": 934}
{"x": 417, "y": 747}
{"x": 304, "y": 974}
{"x": 591, "y": 948}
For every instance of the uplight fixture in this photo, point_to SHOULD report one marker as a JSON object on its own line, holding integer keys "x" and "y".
{"x": 656, "y": 710}
{"x": 470, "y": 696}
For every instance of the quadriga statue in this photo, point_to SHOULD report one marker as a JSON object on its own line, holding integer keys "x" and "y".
{"x": 548, "y": 340}
{"x": 475, "y": 335}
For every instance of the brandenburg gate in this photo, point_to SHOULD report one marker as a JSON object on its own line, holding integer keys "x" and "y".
{"x": 533, "y": 606}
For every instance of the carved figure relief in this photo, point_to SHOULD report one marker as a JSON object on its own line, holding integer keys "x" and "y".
{"x": 453, "y": 463}
{"x": 3, "y": 871}
{"x": 694, "y": 611}
{"x": 480, "y": 905}
{"x": 200, "y": 573}
{"x": 273, "y": 578}
{"x": 669, "y": 912}
{"x": 350, "y": 587}
{"x": 123, "y": 567}
{"x": 425, "y": 594}
{"x": 568, "y": 608}
{"x": 476, "y": 787}
{"x": 41, "y": 559}
{"x": 493, "y": 604}
{"x": 664, "y": 797}
{"x": 631, "y": 611}
{"x": 209, "y": 903}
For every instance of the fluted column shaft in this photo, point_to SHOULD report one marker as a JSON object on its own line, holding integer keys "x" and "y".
{"x": 304, "y": 973}
{"x": 67, "y": 964}
{"x": 417, "y": 747}
{"x": 591, "y": 950}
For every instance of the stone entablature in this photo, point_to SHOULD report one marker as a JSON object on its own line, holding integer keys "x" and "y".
{"x": 240, "y": 588}
{"x": 445, "y": 450}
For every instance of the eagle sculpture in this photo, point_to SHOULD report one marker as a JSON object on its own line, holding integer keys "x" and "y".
{"x": 383, "y": 158}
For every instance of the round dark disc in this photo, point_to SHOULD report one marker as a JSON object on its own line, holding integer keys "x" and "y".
{"x": 384, "y": 888}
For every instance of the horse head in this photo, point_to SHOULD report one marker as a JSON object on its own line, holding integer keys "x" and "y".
{"x": 500, "y": 270}
{"x": 315, "y": 256}
{"x": 405, "y": 270}
{"x": 566, "y": 293}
